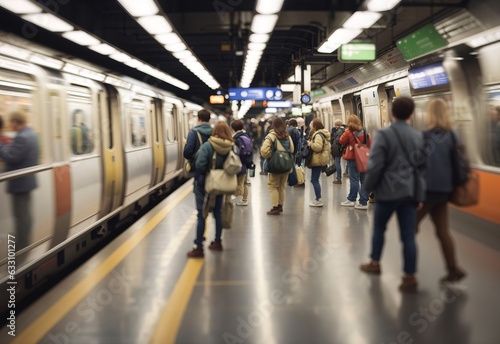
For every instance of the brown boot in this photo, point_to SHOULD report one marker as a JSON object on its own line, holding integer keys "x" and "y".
{"x": 274, "y": 211}
{"x": 280, "y": 207}
{"x": 215, "y": 246}
{"x": 371, "y": 268}
{"x": 453, "y": 276}
{"x": 409, "y": 284}
{"x": 196, "y": 252}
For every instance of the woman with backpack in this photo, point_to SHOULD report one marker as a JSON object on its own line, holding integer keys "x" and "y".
{"x": 354, "y": 133}
{"x": 219, "y": 143}
{"x": 278, "y": 138}
{"x": 320, "y": 146}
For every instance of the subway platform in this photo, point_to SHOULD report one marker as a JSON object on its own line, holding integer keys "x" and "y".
{"x": 289, "y": 279}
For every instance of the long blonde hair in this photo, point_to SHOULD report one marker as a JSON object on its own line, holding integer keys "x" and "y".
{"x": 438, "y": 115}
{"x": 354, "y": 123}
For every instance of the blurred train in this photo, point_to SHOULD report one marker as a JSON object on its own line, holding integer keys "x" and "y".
{"x": 465, "y": 76}
{"x": 108, "y": 150}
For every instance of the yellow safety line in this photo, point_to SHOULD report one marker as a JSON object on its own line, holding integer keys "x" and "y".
{"x": 171, "y": 319}
{"x": 39, "y": 328}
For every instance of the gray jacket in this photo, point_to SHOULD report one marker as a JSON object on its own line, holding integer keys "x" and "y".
{"x": 22, "y": 153}
{"x": 390, "y": 171}
{"x": 439, "y": 176}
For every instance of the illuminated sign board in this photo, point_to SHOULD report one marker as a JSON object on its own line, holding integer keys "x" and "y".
{"x": 255, "y": 94}
{"x": 428, "y": 76}
{"x": 421, "y": 42}
{"x": 217, "y": 99}
{"x": 357, "y": 52}
{"x": 280, "y": 104}
{"x": 296, "y": 111}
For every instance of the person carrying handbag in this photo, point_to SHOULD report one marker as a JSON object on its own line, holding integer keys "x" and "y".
{"x": 277, "y": 181}
{"x": 354, "y": 133}
{"x": 320, "y": 146}
{"x": 221, "y": 142}
{"x": 440, "y": 140}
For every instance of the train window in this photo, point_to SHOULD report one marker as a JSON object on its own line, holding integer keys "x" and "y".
{"x": 170, "y": 132}
{"x": 137, "y": 120}
{"x": 17, "y": 96}
{"x": 491, "y": 136}
{"x": 81, "y": 124}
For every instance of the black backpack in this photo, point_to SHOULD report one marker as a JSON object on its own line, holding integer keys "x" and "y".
{"x": 337, "y": 150}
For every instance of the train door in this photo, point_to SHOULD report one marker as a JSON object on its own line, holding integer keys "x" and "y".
{"x": 158, "y": 142}
{"x": 348, "y": 105}
{"x": 172, "y": 129}
{"x": 358, "y": 106}
{"x": 113, "y": 157}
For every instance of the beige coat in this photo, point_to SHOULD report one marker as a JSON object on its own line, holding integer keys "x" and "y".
{"x": 266, "y": 150}
{"x": 321, "y": 148}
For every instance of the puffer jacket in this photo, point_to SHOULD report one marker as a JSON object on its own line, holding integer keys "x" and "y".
{"x": 205, "y": 158}
{"x": 348, "y": 139}
{"x": 320, "y": 145}
{"x": 266, "y": 150}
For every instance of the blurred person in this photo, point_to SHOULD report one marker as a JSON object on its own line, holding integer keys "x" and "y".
{"x": 336, "y": 132}
{"x": 303, "y": 139}
{"x": 21, "y": 153}
{"x": 396, "y": 172}
{"x": 221, "y": 143}
{"x": 354, "y": 130}
{"x": 440, "y": 182}
{"x": 277, "y": 181}
{"x": 320, "y": 146}
{"x": 3, "y": 139}
{"x": 244, "y": 144}
{"x": 295, "y": 135}
{"x": 266, "y": 129}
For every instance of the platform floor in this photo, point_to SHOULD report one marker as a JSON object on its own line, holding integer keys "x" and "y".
{"x": 289, "y": 279}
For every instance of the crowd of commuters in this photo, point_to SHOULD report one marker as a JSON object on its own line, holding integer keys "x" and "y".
{"x": 397, "y": 173}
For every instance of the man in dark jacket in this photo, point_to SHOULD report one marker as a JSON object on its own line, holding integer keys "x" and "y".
{"x": 335, "y": 134}
{"x": 396, "y": 172}
{"x": 22, "y": 153}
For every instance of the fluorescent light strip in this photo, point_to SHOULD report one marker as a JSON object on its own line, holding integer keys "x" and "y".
{"x": 381, "y": 5}
{"x": 362, "y": 20}
{"x": 49, "y": 22}
{"x": 155, "y": 25}
{"x": 20, "y": 6}
{"x": 269, "y": 6}
{"x": 140, "y": 8}
{"x": 81, "y": 38}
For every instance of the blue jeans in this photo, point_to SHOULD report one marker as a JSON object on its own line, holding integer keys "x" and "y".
{"x": 315, "y": 174}
{"x": 355, "y": 178}
{"x": 338, "y": 166}
{"x": 407, "y": 215}
{"x": 217, "y": 211}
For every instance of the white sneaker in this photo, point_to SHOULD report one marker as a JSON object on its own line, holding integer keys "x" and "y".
{"x": 316, "y": 203}
{"x": 360, "y": 206}
{"x": 347, "y": 204}
{"x": 242, "y": 202}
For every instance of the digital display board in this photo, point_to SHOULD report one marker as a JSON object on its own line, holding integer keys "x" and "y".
{"x": 428, "y": 76}
{"x": 255, "y": 94}
{"x": 421, "y": 42}
{"x": 357, "y": 52}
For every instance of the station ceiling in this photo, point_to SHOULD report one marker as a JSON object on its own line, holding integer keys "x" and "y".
{"x": 217, "y": 33}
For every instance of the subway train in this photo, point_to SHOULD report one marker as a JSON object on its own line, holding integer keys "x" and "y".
{"x": 108, "y": 149}
{"x": 465, "y": 76}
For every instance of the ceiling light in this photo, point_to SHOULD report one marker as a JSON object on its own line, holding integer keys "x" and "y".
{"x": 328, "y": 47}
{"x": 256, "y": 46}
{"x": 140, "y": 8}
{"x": 381, "y": 5}
{"x": 120, "y": 57}
{"x": 182, "y": 54}
{"x": 168, "y": 38}
{"x": 188, "y": 59}
{"x": 20, "y": 6}
{"x": 155, "y": 25}
{"x": 81, "y": 37}
{"x": 134, "y": 63}
{"x": 176, "y": 47}
{"x": 104, "y": 49}
{"x": 344, "y": 36}
{"x": 48, "y": 21}
{"x": 269, "y": 6}
{"x": 287, "y": 87}
{"x": 362, "y": 20}
{"x": 259, "y": 37}
{"x": 263, "y": 23}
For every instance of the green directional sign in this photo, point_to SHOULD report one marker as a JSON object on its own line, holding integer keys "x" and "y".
{"x": 357, "y": 52}
{"x": 421, "y": 42}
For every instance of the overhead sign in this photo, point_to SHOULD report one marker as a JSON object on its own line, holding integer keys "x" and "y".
{"x": 217, "y": 99}
{"x": 428, "y": 76}
{"x": 280, "y": 104}
{"x": 421, "y": 42}
{"x": 255, "y": 94}
{"x": 357, "y": 52}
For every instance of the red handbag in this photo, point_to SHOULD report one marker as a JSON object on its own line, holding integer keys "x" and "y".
{"x": 361, "y": 154}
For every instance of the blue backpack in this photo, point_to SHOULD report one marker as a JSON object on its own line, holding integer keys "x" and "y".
{"x": 246, "y": 150}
